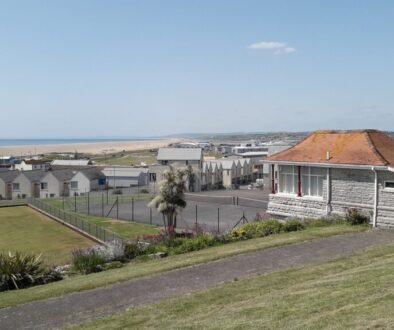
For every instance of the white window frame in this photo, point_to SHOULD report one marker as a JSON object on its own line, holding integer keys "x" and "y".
{"x": 281, "y": 184}
{"x": 16, "y": 189}
{"x": 309, "y": 175}
{"x": 71, "y": 184}
{"x": 44, "y": 183}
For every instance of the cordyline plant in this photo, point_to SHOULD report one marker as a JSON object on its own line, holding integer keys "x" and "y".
{"x": 171, "y": 198}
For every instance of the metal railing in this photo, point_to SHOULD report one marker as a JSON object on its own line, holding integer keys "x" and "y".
{"x": 77, "y": 221}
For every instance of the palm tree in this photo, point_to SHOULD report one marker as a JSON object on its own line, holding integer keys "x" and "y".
{"x": 171, "y": 197}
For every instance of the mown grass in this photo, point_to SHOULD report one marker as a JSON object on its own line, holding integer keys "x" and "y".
{"x": 139, "y": 269}
{"x": 25, "y": 230}
{"x": 349, "y": 293}
{"x": 125, "y": 229}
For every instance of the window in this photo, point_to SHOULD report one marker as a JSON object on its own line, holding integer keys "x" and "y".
{"x": 44, "y": 185}
{"x": 389, "y": 185}
{"x": 312, "y": 181}
{"x": 15, "y": 186}
{"x": 287, "y": 179}
{"x": 74, "y": 184}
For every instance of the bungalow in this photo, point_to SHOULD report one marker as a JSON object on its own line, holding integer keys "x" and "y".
{"x": 31, "y": 164}
{"x": 27, "y": 184}
{"x": 6, "y": 179}
{"x": 121, "y": 177}
{"x": 331, "y": 171}
{"x": 87, "y": 180}
{"x": 56, "y": 183}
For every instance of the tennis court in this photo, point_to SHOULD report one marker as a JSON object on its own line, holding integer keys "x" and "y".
{"x": 212, "y": 212}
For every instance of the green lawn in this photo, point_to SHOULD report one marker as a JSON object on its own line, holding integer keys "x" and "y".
{"x": 349, "y": 293}
{"x": 125, "y": 229}
{"x": 139, "y": 269}
{"x": 23, "y": 229}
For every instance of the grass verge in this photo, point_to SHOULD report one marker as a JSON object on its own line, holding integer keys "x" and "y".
{"x": 348, "y": 293}
{"x": 138, "y": 269}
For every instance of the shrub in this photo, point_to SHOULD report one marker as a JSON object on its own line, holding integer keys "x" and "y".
{"x": 132, "y": 250}
{"x": 20, "y": 270}
{"x": 354, "y": 217}
{"x": 144, "y": 191}
{"x": 257, "y": 229}
{"x": 87, "y": 261}
{"x": 111, "y": 251}
{"x": 194, "y": 244}
{"x": 293, "y": 225}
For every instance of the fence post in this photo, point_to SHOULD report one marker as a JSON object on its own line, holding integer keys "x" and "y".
{"x": 132, "y": 209}
{"x": 88, "y": 204}
{"x": 75, "y": 203}
{"x": 117, "y": 207}
{"x": 102, "y": 204}
{"x": 237, "y": 200}
{"x": 63, "y": 202}
{"x": 218, "y": 220}
{"x": 150, "y": 216}
{"x": 196, "y": 217}
{"x": 107, "y": 195}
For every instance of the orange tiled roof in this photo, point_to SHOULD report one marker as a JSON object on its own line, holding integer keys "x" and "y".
{"x": 366, "y": 147}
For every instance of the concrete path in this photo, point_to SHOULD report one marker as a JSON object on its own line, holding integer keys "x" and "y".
{"x": 84, "y": 306}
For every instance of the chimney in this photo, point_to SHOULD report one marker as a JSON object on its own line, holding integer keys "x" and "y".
{"x": 328, "y": 156}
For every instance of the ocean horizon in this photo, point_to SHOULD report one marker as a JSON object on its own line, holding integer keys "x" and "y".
{"x": 37, "y": 142}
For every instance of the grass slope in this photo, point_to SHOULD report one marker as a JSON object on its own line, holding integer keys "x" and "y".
{"x": 349, "y": 293}
{"x": 139, "y": 269}
{"x": 23, "y": 229}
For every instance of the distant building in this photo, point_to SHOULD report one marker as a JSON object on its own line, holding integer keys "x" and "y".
{"x": 331, "y": 171}
{"x": 86, "y": 180}
{"x": 7, "y": 161}
{"x": 31, "y": 164}
{"x": 71, "y": 162}
{"x": 6, "y": 179}
{"x": 121, "y": 177}
{"x": 56, "y": 183}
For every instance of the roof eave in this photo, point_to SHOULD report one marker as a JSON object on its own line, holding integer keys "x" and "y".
{"x": 331, "y": 165}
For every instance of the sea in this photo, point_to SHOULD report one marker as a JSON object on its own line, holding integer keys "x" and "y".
{"x": 28, "y": 142}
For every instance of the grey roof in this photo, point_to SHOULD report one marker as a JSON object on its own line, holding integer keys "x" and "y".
{"x": 71, "y": 162}
{"x": 63, "y": 175}
{"x": 92, "y": 173}
{"x": 35, "y": 175}
{"x": 9, "y": 176}
{"x": 179, "y": 154}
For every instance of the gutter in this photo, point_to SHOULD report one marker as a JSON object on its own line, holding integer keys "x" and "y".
{"x": 328, "y": 165}
{"x": 375, "y": 205}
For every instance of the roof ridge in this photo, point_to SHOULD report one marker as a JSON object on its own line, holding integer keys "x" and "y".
{"x": 374, "y": 149}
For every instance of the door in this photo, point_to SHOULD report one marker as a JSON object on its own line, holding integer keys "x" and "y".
{"x": 8, "y": 192}
{"x": 36, "y": 190}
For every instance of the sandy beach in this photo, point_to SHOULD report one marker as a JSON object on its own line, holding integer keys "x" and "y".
{"x": 88, "y": 148}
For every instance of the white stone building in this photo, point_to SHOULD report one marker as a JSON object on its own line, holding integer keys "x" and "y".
{"x": 331, "y": 171}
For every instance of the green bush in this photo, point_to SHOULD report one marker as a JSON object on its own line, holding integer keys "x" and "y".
{"x": 20, "y": 270}
{"x": 354, "y": 217}
{"x": 194, "y": 244}
{"x": 257, "y": 229}
{"x": 144, "y": 191}
{"x": 293, "y": 225}
{"x": 87, "y": 261}
{"x": 132, "y": 250}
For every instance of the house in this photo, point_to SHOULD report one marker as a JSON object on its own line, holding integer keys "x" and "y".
{"x": 32, "y": 164}
{"x": 86, "y": 180}
{"x": 120, "y": 177}
{"x": 27, "y": 184}
{"x": 6, "y": 179}
{"x": 7, "y": 161}
{"x": 331, "y": 171}
{"x": 229, "y": 172}
{"x": 178, "y": 158}
{"x": 56, "y": 183}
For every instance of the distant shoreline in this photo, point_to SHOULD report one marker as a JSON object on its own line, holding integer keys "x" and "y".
{"x": 83, "y": 146}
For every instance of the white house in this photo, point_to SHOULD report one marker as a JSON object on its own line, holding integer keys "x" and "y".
{"x": 31, "y": 164}
{"x": 56, "y": 183}
{"x": 121, "y": 177}
{"x": 86, "y": 180}
{"x": 27, "y": 184}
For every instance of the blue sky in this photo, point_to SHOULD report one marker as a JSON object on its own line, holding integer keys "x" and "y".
{"x": 145, "y": 68}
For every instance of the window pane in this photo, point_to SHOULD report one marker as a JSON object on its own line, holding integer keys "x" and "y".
{"x": 286, "y": 169}
{"x": 289, "y": 183}
{"x": 305, "y": 185}
{"x": 320, "y": 186}
{"x": 318, "y": 171}
{"x": 314, "y": 186}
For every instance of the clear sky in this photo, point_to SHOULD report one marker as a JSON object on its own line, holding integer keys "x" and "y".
{"x": 145, "y": 68}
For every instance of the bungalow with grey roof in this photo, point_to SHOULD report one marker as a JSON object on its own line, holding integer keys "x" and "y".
{"x": 6, "y": 179}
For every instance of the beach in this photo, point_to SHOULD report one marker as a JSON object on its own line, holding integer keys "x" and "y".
{"x": 86, "y": 148}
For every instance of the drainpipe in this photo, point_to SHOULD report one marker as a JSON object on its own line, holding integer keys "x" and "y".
{"x": 328, "y": 206}
{"x": 299, "y": 193}
{"x": 375, "y": 206}
{"x": 273, "y": 179}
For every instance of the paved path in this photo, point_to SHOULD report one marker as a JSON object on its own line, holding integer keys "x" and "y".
{"x": 88, "y": 305}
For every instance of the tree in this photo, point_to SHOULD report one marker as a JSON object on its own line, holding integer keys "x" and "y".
{"x": 171, "y": 197}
